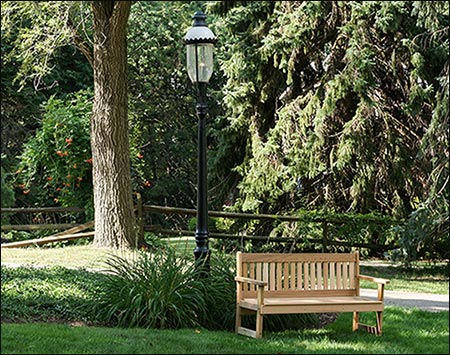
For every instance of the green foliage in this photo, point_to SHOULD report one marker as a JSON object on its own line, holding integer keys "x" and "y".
{"x": 162, "y": 104}
{"x": 154, "y": 242}
{"x": 342, "y": 105}
{"x": 219, "y": 293}
{"x": 55, "y": 166}
{"x": 163, "y": 289}
{"x": 33, "y": 72}
{"x": 37, "y": 35}
{"x": 328, "y": 106}
{"x": 419, "y": 240}
{"x": 212, "y": 224}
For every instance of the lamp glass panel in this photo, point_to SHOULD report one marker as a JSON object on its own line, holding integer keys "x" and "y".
{"x": 200, "y": 61}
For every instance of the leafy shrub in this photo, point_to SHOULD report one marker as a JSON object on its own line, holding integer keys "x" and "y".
{"x": 165, "y": 290}
{"x": 160, "y": 290}
{"x": 55, "y": 166}
{"x": 154, "y": 242}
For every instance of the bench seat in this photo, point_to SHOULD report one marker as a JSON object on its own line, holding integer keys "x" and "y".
{"x": 289, "y": 305}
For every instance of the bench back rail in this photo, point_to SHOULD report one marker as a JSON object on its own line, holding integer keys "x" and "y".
{"x": 287, "y": 274}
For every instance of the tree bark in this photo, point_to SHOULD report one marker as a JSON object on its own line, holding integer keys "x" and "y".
{"x": 115, "y": 222}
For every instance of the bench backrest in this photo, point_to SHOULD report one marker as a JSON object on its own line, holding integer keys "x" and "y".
{"x": 298, "y": 275}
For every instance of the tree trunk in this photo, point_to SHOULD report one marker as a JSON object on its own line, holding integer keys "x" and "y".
{"x": 115, "y": 222}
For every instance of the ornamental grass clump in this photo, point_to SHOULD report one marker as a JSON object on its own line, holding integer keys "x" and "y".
{"x": 151, "y": 290}
{"x": 219, "y": 291}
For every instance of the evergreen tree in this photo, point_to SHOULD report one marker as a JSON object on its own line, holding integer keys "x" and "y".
{"x": 337, "y": 99}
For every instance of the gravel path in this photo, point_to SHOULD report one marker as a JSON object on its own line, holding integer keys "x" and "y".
{"x": 426, "y": 301}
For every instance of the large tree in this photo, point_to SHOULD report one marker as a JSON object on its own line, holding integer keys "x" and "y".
{"x": 114, "y": 212}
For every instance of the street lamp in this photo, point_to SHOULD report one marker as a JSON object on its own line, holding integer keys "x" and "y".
{"x": 199, "y": 42}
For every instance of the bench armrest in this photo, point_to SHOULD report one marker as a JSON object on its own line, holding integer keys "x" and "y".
{"x": 259, "y": 291}
{"x": 381, "y": 282}
{"x": 374, "y": 279}
{"x": 250, "y": 281}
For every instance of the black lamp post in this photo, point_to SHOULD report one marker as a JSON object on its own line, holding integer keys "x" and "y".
{"x": 199, "y": 54}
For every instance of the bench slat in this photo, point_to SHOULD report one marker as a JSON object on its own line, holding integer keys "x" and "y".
{"x": 336, "y": 300}
{"x": 332, "y": 276}
{"x": 251, "y": 267}
{"x": 299, "y": 276}
{"x": 259, "y": 273}
{"x": 325, "y": 275}
{"x": 272, "y": 277}
{"x": 352, "y": 275}
{"x": 344, "y": 275}
{"x": 279, "y": 276}
{"x": 305, "y": 276}
{"x": 339, "y": 276}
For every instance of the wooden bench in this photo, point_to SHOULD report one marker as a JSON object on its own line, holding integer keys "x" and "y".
{"x": 302, "y": 283}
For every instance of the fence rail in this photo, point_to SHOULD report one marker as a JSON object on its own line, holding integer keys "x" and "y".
{"x": 141, "y": 209}
{"x": 40, "y": 209}
{"x": 324, "y": 222}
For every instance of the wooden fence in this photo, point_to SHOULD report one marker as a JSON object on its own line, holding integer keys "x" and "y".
{"x": 322, "y": 222}
{"x": 40, "y": 210}
{"x": 70, "y": 231}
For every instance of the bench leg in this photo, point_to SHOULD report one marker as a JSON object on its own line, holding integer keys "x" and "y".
{"x": 370, "y": 328}
{"x": 257, "y": 333}
{"x": 379, "y": 322}
{"x": 355, "y": 321}
{"x": 259, "y": 324}
{"x": 238, "y": 317}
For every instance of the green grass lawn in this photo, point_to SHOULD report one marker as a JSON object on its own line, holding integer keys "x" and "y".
{"x": 406, "y": 331}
